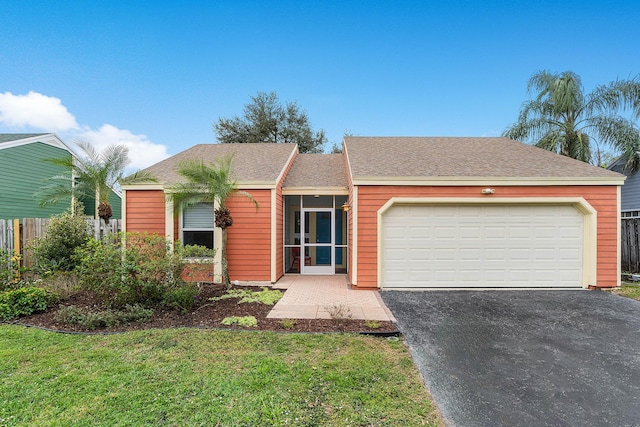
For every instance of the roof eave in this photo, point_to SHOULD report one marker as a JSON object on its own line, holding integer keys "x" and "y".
{"x": 49, "y": 139}
{"x": 314, "y": 190}
{"x": 486, "y": 180}
{"x": 241, "y": 185}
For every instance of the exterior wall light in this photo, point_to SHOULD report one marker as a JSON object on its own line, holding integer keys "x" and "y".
{"x": 488, "y": 190}
{"x": 345, "y": 207}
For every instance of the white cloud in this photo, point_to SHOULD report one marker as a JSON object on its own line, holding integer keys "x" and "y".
{"x": 35, "y": 110}
{"x": 142, "y": 152}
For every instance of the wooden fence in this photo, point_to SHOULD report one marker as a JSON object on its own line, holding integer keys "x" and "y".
{"x": 630, "y": 245}
{"x": 6, "y": 235}
{"x": 35, "y": 228}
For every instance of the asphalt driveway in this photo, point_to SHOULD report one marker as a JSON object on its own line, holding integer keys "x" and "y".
{"x": 525, "y": 358}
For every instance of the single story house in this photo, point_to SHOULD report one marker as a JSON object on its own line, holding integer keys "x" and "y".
{"x": 403, "y": 213}
{"x": 24, "y": 170}
{"x": 630, "y": 194}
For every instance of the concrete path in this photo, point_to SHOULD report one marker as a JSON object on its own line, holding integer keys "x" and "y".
{"x": 315, "y": 297}
{"x": 525, "y": 358}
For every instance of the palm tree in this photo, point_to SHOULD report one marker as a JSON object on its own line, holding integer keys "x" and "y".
{"x": 209, "y": 183}
{"x": 565, "y": 120}
{"x": 95, "y": 175}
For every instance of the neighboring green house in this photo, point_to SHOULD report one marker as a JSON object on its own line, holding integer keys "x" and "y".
{"x": 23, "y": 171}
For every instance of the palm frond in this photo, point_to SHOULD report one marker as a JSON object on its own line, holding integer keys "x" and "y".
{"x": 615, "y": 131}
{"x": 95, "y": 174}
{"x": 562, "y": 119}
{"x": 552, "y": 141}
{"x": 138, "y": 177}
{"x": 632, "y": 164}
{"x": 205, "y": 183}
{"x": 617, "y": 95}
{"x": 248, "y": 196}
{"x": 59, "y": 188}
{"x": 532, "y": 130}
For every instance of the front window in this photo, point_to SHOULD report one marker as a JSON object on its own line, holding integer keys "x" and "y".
{"x": 197, "y": 225}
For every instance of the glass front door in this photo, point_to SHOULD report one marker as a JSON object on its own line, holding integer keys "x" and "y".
{"x": 318, "y": 242}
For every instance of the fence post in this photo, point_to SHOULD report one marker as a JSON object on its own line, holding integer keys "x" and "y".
{"x": 16, "y": 244}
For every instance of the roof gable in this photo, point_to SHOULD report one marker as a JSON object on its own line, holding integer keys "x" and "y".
{"x": 387, "y": 158}
{"x": 260, "y": 164}
{"x": 10, "y": 140}
{"x": 317, "y": 170}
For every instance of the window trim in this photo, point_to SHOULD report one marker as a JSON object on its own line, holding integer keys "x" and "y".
{"x": 182, "y": 228}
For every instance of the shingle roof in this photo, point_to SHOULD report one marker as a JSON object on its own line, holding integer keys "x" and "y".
{"x": 456, "y": 157}
{"x": 8, "y": 137}
{"x": 251, "y": 162}
{"x": 317, "y": 170}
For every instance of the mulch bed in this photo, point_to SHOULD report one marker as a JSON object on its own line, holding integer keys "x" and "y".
{"x": 205, "y": 314}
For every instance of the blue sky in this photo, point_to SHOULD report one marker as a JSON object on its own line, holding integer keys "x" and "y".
{"x": 156, "y": 75}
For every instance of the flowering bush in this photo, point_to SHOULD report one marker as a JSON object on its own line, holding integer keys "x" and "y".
{"x": 9, "y": 270}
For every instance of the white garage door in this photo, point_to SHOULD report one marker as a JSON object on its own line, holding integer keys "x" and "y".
{"x": 481, "y": 246}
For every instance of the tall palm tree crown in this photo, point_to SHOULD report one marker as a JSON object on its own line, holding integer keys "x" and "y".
{"x": 563, "y": 119}
{"x": 94, "y": 175}
{"x": 209, "y": 183}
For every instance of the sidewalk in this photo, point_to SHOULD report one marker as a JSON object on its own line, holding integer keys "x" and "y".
{"x": 313, "y": 297}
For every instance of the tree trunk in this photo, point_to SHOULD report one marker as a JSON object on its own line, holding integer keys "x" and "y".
{"x": 225, "y": 265}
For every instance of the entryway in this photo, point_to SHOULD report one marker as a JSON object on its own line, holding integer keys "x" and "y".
{"x": 315, "y": 234}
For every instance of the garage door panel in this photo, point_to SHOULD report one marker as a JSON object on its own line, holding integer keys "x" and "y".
{"x": 470, "y": 232}
{"x": 494, "y": 254}
{"x": 440, "y": 254}
{"x": 573, "y": 255}
{"x": 520, "y": 254}
{"x": 446, "y": 233}
{"x": 546, "y": 254}
{"x": 469, "y": 254}
{"x": 482, "y": 246}
{"x": 494, "y": 232}
{"x": 420, "y": 232}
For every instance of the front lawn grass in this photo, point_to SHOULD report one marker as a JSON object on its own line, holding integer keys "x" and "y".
{"x": 629, "y": 291}
{"x": 190, "y": 377}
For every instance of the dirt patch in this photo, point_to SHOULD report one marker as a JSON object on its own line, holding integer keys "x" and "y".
{"x": 205, "y": 314}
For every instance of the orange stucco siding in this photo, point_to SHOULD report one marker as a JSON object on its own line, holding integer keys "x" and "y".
{"x": 145, "y": 211}
{"x": 249, "y": 239}
{"x": 602, "y": 198}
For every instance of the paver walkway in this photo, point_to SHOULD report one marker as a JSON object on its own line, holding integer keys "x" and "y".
{"x": 313, "y": 297}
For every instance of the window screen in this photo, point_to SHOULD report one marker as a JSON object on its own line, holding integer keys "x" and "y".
{"x": 197, "y": 225}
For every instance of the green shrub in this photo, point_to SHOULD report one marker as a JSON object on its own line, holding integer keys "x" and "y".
{"x": 196, "y": 251}
{"x": 182, "y": 297}
{"x": 248, "y": 321}
{"x": 372, "y": 324}
{"x": 265, "y": 296}
{"x": 24, "y": 301}
{"x": 54, "y": 251}
{"x": 87, "y": 319}
{"x": 288, "y": 323}
{"x": 61, "y": 283}
{"x": 141, "y": 271}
